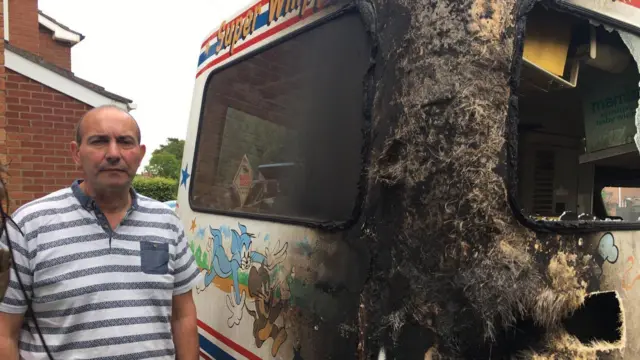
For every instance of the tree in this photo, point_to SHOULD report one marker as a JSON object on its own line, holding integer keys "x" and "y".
{"x": 166, "y": 161}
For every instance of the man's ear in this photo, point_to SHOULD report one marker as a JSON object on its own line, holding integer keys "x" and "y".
{"x": 143, "y": 150}
{"x": 75, "y": 152}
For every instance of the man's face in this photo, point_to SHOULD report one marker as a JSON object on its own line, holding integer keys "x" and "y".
{"x": 109, "y": 152}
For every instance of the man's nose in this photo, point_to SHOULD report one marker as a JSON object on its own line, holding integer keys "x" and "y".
{"x": 113, "y": 151}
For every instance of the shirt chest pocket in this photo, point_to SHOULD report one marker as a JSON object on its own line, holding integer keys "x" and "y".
{"x": 154, "y": 258}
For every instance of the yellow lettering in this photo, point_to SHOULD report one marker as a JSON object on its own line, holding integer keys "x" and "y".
{"x": 305, "y": 4}
{"x": 220, "y": 37}
{"x": 256, "y": 12}
{"x": 275, "y": 10}
{"x": 247, "y": 24}
{"x": 228, "y": 34}
{"x": 237, "y": 30}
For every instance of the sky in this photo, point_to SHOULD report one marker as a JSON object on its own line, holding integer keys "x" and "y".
{"x": 144, "y": 50}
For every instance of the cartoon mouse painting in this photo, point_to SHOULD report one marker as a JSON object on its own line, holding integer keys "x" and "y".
{"x": 268, "y": 308}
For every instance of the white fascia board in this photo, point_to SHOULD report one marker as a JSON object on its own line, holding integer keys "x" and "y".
{"x": 59, "y": 33}
{"x": 6, "y": 19}
{"x": 57, "y": 82}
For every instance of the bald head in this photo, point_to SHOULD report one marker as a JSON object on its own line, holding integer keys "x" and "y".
{"x": 103, "y": 110}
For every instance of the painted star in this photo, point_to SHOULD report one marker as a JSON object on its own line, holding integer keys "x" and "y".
{"x": 185, "y": 176}
{"x": 193, "y": 225}
{"x": 201, "y": 233}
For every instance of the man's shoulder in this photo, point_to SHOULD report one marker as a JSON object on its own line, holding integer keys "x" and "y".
{"x": 50, "y": 201}
{"x": 153, "y": 206}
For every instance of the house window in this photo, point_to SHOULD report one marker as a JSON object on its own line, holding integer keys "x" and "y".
{"x": 280, "y": 133}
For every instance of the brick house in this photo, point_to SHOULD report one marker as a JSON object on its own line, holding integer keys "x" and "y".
{"x": 40, "y": 100}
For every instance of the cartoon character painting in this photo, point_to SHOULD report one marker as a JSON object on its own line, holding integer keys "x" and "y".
{"x": 242, "y": 257}
{"x": 268, "y": 307}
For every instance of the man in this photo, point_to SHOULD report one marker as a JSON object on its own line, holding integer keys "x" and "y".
{"x": 108, "y": 271}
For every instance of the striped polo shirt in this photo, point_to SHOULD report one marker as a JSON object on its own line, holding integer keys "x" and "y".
{"x": 97, "y": 292}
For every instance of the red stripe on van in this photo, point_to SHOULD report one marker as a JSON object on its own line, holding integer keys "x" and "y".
{"x": 225, "y": 340}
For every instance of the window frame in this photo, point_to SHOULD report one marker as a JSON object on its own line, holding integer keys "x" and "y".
{"x": 365, "y": 130}
{"x": 565, "y": 227}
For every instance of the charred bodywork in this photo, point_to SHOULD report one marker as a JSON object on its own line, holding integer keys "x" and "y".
{"x": 438, "y": 260}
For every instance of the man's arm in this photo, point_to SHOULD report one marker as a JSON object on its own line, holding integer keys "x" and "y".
{"x": 184, "y": 326}
{"x": 184, "y": 320}
{"x": 13, "y": 305}
{"x": 10, "y": 325}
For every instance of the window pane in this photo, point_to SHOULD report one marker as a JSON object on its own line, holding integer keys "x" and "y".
{"x": 281, "y": 132}
{"x": 622, "y": 202}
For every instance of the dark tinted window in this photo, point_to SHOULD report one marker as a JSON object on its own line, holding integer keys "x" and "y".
{"x": 281, "y": 132}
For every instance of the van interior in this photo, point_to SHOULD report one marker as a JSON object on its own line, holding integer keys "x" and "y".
{"x": 578, "y": 96}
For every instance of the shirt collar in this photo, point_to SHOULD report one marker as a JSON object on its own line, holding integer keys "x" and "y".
{"x": 89, "y": 204}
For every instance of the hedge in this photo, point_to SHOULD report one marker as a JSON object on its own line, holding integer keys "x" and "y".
{"x": 158, "y": 188}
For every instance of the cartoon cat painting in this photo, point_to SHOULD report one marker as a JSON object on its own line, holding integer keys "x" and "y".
{"x": 242, "y": 257}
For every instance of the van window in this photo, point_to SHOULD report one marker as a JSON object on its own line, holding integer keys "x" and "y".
{"x": 281, "y": 132}
{"x": 577, "y": 103}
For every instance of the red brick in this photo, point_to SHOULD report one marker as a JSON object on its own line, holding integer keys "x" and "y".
{"x": 32, "y": 144}
{"x": 33, "y": 174}
{"x": 46, "y": 167}
{"x": 33, "y": 129}
{"x": 11, "y": 85}
{"x": 13, "y": 107}
{"x": 42, "y": 181}
{"x": 43, "y": 96}
{"x": 74, "y": 105}
{"x": 31, "y": 87}
{"x": 55, "y": 104}
{"x": 23, "y": 165}
{"x": 43, "y": 138}
{"x": 54, "y": 160}
{"x": 65, "y": 167}
{"x": 41, "y": 152}
{"x": 12, "y": 100}
{"x": 57, "y": 132}
{"x": 62, "y": 97}
{"x": 43, "y": 124}
{"x": 54, "y": 118}
{"x": 10, "y": 114}
{"x": 55, "y": 174}
{"x": 30, "y": 116}
{"x": 63, "y": 111}
{"x": 31, "y": 158}
{"x": 19, "y": 151}
{"x": 15, "y": 77}
{"x": 19, "y": 136}
{"x": 41, "y": 110}
{"x": 18, "y": 122}
{"x": 67, "y": 126}
{"x": 33, "y": 188}
{"x": 18, "y": 93}
{"x": 29, "y": 101}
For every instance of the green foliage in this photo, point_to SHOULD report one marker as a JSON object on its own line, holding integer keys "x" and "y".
{"x": 158, "y": 188}
{"x": 166, "y": 161}
{"x": 201, "y": 257}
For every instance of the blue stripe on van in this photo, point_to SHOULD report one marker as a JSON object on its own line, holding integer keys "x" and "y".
{"x": 212, "y": 349}
{"x": 260, "y": 22}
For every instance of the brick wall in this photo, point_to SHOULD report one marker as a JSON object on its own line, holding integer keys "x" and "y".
{"x": 53, "y": 51}
{"x": 23, "y": 24}
{"x": 40, "y": 125}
